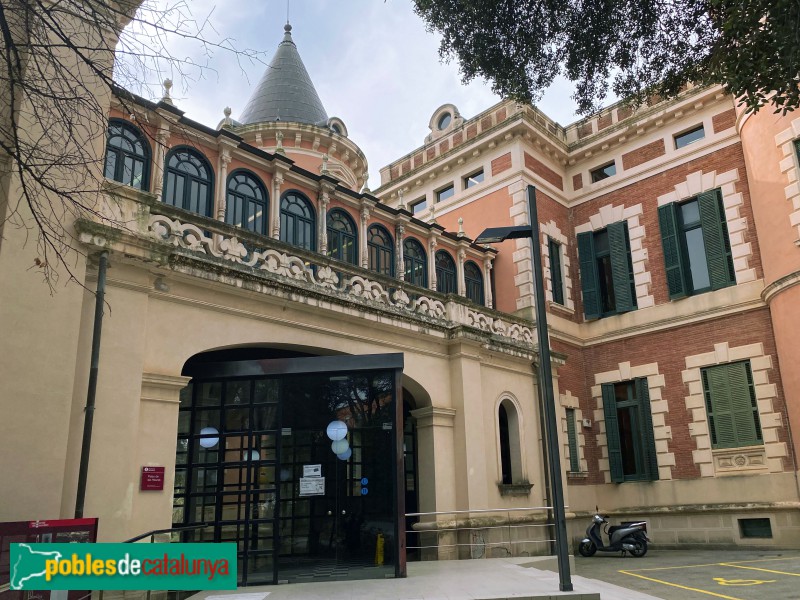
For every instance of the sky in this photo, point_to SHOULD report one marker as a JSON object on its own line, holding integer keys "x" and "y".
{"x": 373, "y": 64}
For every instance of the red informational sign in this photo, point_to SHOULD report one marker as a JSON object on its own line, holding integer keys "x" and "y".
{"x": 55, "y": 531}
{"x": 152, "y": 479}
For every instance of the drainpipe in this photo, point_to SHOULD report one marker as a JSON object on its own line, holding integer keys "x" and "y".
{"x": 88, "y": 418}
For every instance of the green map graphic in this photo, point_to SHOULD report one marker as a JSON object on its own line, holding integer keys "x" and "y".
{"x": 29, "y": 564}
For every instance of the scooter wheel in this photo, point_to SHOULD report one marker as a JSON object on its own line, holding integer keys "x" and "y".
{"x": 587, "y": 549}
{"x": 639, "y": 549}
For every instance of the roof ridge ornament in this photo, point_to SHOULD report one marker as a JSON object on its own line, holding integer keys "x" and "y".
{"x": 167, "y": 99}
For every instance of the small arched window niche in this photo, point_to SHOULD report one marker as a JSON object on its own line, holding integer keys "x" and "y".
{"x": 512, "y": 481}
{"x": 298, "y": 221}
{"x": 127, "y": 155}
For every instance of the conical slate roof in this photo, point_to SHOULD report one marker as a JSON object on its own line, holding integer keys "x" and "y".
{"x": 285, "y": 92}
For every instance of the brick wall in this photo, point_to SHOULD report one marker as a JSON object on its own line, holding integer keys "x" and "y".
{"x": 669, "y": 349}
{"x": 543, "y": 171}
{"x": 577, "y": 181}
{"x": 645, "y": 153}
{"x": 501, "y": 163}
{"x": 624, "y": 112}
{"x": 724, "y": 120}
{"x": 550, "y": 210}
{"x": 647, "y": 191}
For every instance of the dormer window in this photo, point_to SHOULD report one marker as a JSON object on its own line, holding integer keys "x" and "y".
{"x": 444, "y": 121}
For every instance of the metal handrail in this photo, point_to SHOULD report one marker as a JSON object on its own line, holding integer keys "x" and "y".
{"x": 156, "y": 532}
{"x": 477, "y": 510}
{"x": 454, "y": 526}
{"x": 152, "y": 535}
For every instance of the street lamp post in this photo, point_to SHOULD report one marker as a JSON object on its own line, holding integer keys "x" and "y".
{"x": 499, "y": 234}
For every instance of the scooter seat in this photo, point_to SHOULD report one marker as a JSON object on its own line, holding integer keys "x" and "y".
{"x": 614, "y": 528}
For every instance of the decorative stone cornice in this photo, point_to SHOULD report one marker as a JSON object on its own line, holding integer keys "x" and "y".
{"x": 217, "y": 252}
{"x": 434, "y": 416}
{"x": 780, "y": 285}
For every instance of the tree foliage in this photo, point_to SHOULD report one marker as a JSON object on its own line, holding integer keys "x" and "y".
{"x": 60, "y": 62}
{"x": 636, "y": 49}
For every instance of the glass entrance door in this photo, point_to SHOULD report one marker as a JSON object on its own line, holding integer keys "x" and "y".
{"x": 336, "y": 513}
{"x": 298, "y": 470}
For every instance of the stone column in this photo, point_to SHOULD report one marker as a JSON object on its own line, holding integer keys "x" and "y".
{"x": 487, "y": 282}
{"x": 400, "y": 269}
{"x": 462, "y": 285}
{"x": 157, "y": 180}
{"x": 323, "y": 199}
{"x": 432, "y": 243}
{"x": 275, "y": 214}
{"x": 436, "y": 471}
{"x": 157, "y": 427}
{"x": 362, "y": 238}
{"x": 222, "y": 184}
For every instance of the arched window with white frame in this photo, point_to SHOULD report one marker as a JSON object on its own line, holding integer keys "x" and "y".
{"x": 508, "y": 428}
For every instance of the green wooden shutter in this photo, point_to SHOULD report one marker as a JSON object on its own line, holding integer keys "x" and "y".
{"x": 673, "y": 253}
{"x": 572, "y": 438}
{"x": 555, "y": 271}
{"x": 620, "y": 265}
{"x": 731, "y": 405}
{"x": 612, "y": 433}
{"x": 589, "y": 283}
{"x": 715, "y": 237}
{"x": 743, "y": 404}
{"x": 648, "y": 438}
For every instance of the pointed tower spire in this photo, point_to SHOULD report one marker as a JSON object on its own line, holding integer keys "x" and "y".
{"x": 285, "y": 92}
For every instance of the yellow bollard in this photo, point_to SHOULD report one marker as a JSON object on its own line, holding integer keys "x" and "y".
{"x": 379, "y": 551}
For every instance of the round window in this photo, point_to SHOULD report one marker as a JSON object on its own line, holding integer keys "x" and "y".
{"x": 444, "y": 121}
{"x": 336, "y": 129}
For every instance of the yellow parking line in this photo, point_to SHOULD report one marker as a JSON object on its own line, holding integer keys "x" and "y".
{"x": 716, "y": 564}
{"x": 759, "y": 569}
{"x": 760, "y": 560}
{"x": 670, "y": 568}
{"x": 683, "y": 587}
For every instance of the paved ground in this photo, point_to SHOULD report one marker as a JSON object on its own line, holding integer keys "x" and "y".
{"x": 485, "y": 579}
{"x": 701, "y": 574}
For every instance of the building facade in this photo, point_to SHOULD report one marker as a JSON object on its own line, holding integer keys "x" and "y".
{"x": 669, "y": 244}
{"x": 260, "y": 299}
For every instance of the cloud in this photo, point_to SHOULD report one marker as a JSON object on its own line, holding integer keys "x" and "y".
{"x": 373, "y": 64}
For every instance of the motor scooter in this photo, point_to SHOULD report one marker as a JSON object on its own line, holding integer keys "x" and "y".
{"x": 630, "y": 537}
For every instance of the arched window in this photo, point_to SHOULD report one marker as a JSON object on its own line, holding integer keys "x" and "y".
{"x": 510, "y": 448}
{"x": 127, "y": 155}
{"x": 298, "y": 221}
{"x": 247, "y": 202}
{"x": 342, "y": 240}
{"x": 188, "y": 181}
{"x": 416, "y": 263}
{"x": 381, "y": 250}
{"x": 445, "y": 273}
{"x": 474, "y": 282}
